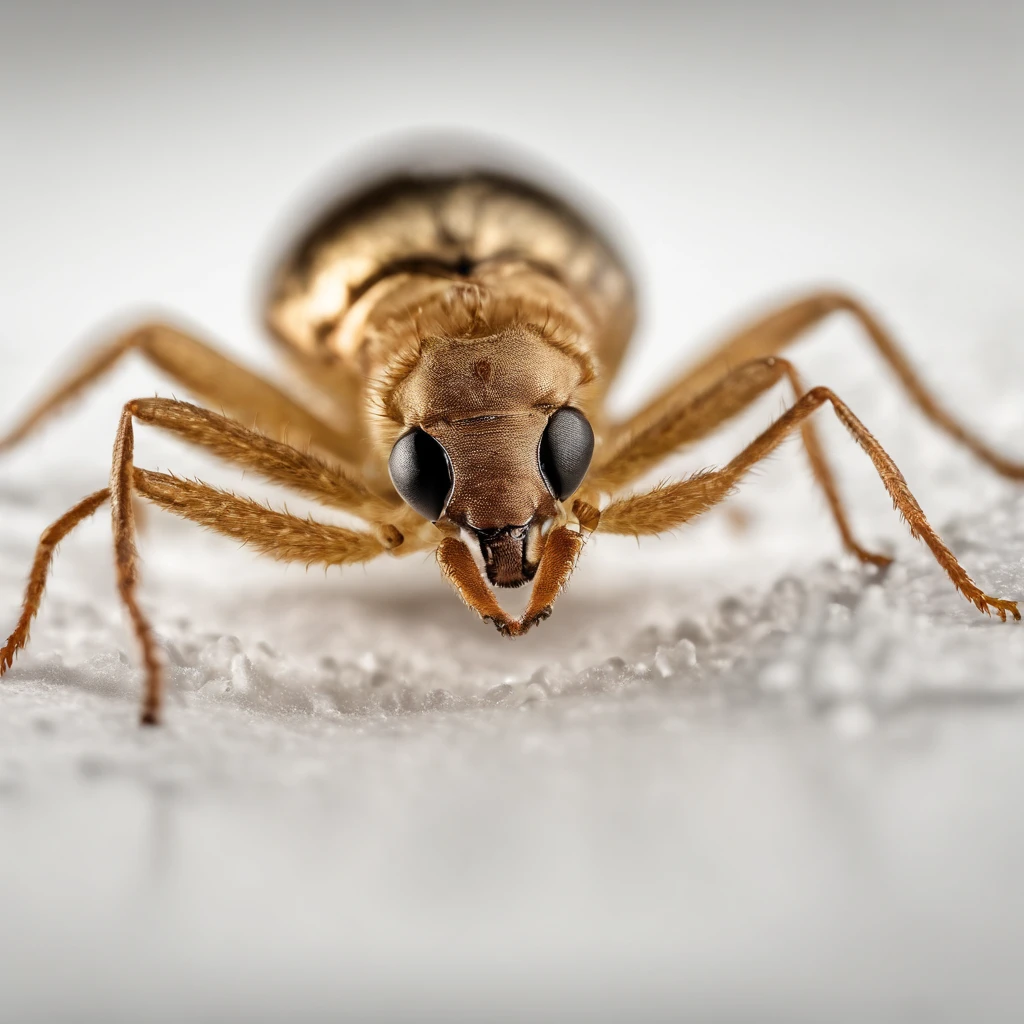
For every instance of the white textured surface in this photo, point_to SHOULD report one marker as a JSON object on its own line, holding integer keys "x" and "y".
{"x": 728, "y": 778}
{"x": 815, "y": 786}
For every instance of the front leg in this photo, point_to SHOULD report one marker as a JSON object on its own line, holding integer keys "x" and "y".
{"x": 277, "y": 534}
{"x": 692, "y": 419}
{"x": 671, "y": 505}
{"x": 325, "y": 482}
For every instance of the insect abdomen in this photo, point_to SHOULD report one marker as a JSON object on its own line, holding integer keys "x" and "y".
{"x": 459, "y": 227}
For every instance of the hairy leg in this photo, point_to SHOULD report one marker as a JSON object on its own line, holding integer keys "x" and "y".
{"x": 274, "y": 460}
{"x": 699, "y": 417}
{"x": 208, "y": 375}
{"x": 277, "y": 534}
{"x": 669, "y": 506}
{"x": 51, "y": 537}
{"x": 126, "y": 564}
{"x": 771, "y": 334}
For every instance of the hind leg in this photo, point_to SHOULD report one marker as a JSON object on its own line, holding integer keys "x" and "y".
{"x": 208, "y": 375}
{"x": 53, "y": 535}
{"x": 770, "y": 335}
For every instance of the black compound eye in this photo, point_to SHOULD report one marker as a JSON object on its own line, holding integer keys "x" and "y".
{"x": 565, "y": 452}
{"x": 422, "y": 473}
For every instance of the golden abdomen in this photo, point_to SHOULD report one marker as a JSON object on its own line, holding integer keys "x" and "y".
{"x": 401, "y": 236}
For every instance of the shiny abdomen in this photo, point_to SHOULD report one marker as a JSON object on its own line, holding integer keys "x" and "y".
{"x": 409, "y": 231}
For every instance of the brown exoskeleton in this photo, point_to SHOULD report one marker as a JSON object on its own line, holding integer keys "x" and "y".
{"x": 467, "y": 328}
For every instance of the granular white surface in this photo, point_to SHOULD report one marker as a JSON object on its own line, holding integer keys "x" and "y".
{"x": 813, "y": 786}
{"x": 734, "y": 777}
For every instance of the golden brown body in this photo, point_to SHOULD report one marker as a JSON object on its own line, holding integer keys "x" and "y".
{"x": 464, "y": 330}
{"x": 346, "y": 292}
{"x": 373, "y": 296}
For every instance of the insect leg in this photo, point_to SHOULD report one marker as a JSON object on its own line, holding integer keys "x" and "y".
{"x": 671, "y": 505}
{"x": 696, "y": 418}
{"x": 205, "y": 373}
{"x": 771, "y": 334}
{"x": 274, "y": 460}
{"x": 51, "y": 537}
{"x": 278, "y": 534}
{"x": 126, "y": 564}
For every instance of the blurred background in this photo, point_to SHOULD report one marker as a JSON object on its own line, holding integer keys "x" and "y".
{"x": 347, "y": 813}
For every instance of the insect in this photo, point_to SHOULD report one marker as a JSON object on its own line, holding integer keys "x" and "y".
{"x": 465, "y": 327}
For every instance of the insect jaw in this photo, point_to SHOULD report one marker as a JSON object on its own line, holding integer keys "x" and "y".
{"x": 511, "y": 554}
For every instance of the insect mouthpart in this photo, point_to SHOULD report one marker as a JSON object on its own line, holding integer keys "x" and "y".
{"x": 511, "y": 554}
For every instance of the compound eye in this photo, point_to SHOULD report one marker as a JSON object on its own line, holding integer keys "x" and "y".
{"x": 565, "y": 452}
{"x": 422, "y": 473}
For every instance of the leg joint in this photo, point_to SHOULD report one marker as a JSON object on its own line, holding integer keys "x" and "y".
{"x": 819, "y": 395}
